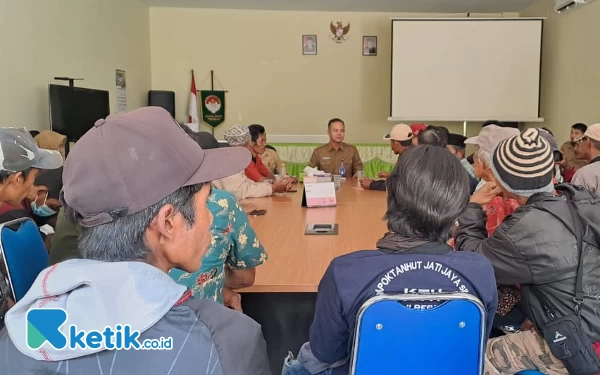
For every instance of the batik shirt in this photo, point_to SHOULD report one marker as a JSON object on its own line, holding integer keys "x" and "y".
{"x": 233, "y": 244}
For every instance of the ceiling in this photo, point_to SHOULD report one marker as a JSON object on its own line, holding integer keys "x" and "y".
{"x": 432, "y": 6}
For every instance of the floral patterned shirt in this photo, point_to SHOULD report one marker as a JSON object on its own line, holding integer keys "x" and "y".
{"x": 234, "y": 244}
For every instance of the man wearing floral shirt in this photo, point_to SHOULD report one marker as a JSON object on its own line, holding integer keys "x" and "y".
{"x": 232, "y": 256}
{"x": 234, "y": 250}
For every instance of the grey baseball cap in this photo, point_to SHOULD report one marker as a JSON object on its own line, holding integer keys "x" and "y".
{"x": 130, "y": 161}
{"x": 490, "y": 136}
{"x": 19, "y": 152}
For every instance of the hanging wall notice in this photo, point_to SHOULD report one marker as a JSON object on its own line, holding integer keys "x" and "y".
{"x": 121, "y": 83}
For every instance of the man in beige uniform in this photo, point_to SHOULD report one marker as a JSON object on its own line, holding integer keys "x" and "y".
{"x": 589, "y": 147}
{"x": 332, "y": 155}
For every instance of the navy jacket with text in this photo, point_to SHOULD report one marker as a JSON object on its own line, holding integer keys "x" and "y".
{"x": 352, "y": 279}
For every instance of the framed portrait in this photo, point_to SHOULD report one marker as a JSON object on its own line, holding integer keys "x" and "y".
{"x": 369, "y": 46}
{"x": 309, "y": 44}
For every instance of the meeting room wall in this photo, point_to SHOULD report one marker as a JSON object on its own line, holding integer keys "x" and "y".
{"x": 257, "y": 57}
{"x": 570, "y": 73}
{"x": 89, "y": 39}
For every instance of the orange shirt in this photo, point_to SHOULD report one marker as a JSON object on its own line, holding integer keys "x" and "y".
{"x": 256, "y": 170}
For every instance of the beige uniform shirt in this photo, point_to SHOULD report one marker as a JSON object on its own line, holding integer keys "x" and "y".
{"x": 328, "y": 159}
{"x": 243, "y": 187}
{"x": 271, "y": 160}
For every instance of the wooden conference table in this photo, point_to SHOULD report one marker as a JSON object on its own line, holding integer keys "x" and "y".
{"x": 296, "y": 261}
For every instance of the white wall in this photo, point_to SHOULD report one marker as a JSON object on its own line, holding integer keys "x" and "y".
{"x": 257, "y": 57}
{"x": 41, "y": 39}
{"x": 570, "y": 74}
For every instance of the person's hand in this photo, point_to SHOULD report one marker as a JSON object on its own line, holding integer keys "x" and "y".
{"x": 527, "y": 325}
{"x": 53, "y": 203}
{"x": 487, "y": 192}
{"x": 365, "y": 183}
{"x": 232, "y": 299}
{"x": 282, "y": 185}
{"x": 383, "y": 174}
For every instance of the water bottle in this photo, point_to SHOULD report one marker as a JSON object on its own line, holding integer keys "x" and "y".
{"x": 282, "y": 170}
{"x": 342, "y": 169}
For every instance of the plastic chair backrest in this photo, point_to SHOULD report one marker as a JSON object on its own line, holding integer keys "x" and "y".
{"x": 391, "y": 338}
{"x": 24, "y": 254}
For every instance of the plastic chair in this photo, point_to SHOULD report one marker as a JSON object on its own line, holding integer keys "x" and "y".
{"x": 24, "y": 254}
{"x": 391, "y": 338}
{"x": 530, "y": 372}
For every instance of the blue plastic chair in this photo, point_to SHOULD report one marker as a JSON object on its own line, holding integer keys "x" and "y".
{"x": 530, "y": 372}
{"x": 24, "y": 254}
{"x": 448, "y": 339}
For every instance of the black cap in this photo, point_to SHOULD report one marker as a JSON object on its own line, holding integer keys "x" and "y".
{"x": 456, "y": 140}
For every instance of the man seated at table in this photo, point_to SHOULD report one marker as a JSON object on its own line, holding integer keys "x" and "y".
{"x": 588, "y": 146}
{"x": 401, "y": 138}
{"x": 256, "y": 170}
{"x": 157, "y": 219}
{"x": 21, "y": 160}
{"x": 536, "y": 248}
{"x": 234, "y": 251}
{"x": 331, "y": 156}
{"x": 427, "y": 191}
{"x": 572, "y": 162}
{"x": 239, "y": 184}
{"x": 270, "y": 157}
{"x": 456, "y": 145}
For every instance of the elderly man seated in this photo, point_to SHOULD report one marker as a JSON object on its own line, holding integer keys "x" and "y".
{"x": 137, "y": 185}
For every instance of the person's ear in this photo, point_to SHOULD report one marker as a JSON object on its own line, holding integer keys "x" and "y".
{"x": 16, "y": 178}
{"x": 165, "y": 223}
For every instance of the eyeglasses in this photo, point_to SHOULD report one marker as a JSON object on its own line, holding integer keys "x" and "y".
{"x": 578, "y": 142}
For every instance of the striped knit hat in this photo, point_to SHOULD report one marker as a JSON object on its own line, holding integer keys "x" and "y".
{"x": 524, "y": 164}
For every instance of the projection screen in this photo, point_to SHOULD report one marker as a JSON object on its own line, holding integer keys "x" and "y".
{"x": 466, "y": 69}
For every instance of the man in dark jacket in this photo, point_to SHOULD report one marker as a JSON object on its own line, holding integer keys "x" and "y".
{"x": 400, "y": 140}
{"x": 534, "y": 247}
{"x": 137, "y": 185}
{"x": 427, "y": 190}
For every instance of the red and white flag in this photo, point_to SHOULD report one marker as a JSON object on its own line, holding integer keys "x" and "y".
{"x": 193, "y": 107}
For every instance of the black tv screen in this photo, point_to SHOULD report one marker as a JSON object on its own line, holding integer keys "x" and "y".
{"x": 74, "y": 110}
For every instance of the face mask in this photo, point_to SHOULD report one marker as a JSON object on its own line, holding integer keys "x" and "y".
{"x": 43, "y": 210}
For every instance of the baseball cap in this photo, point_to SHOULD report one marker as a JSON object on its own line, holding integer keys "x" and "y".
{"x": 130, "y": 161}
{"x": 19, "y": 152}
{"x": 593, "y": 131}
{"x": 418, "y": 129}
{"x": 490, "y": 136}
{"x": 400, "y": 132}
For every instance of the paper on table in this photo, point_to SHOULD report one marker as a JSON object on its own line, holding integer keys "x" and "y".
{"x": 320, "y": 194}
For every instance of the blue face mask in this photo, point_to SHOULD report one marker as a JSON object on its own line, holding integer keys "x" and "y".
{"x": 43, "y": 210}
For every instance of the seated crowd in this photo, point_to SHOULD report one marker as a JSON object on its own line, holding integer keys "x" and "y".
{"x": 147, "y": 222}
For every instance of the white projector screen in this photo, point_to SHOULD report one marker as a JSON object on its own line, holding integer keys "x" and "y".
{"x": 466, "y": 69}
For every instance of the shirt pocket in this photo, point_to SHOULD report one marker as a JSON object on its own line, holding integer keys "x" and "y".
{"x": 327, "y": 161}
